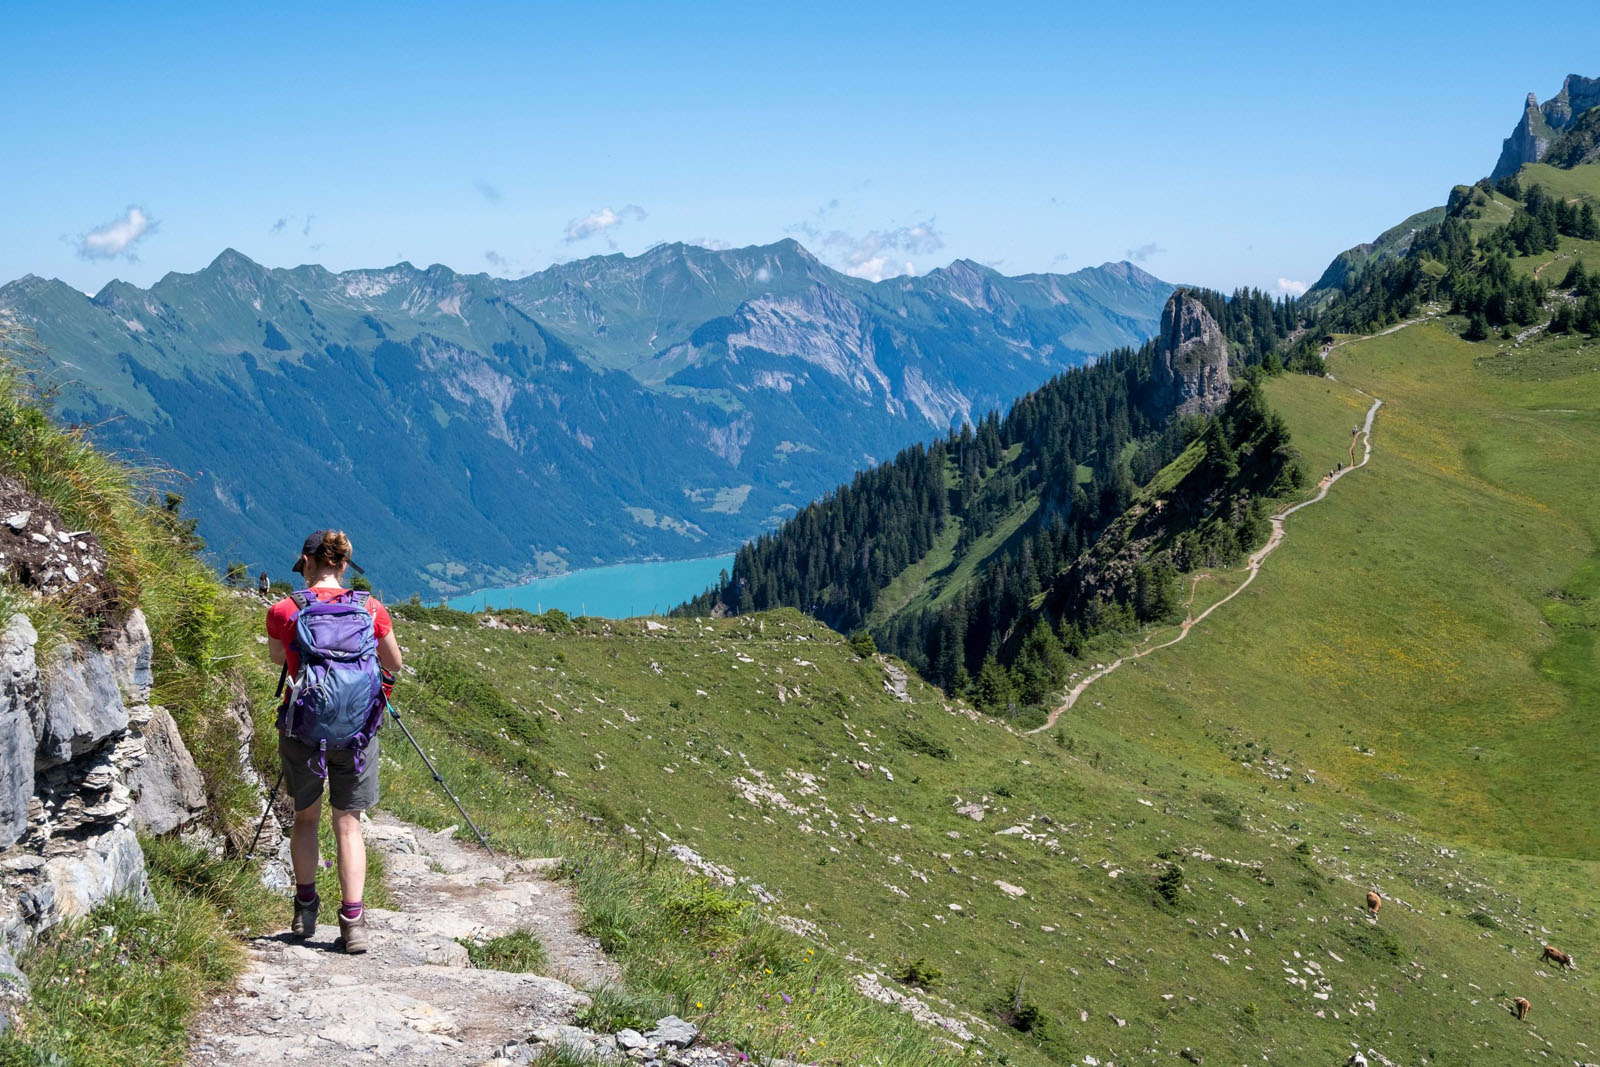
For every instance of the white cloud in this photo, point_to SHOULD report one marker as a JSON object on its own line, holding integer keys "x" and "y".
{"x": 1292, "y": 287}
{"x": 602, "y": 220}
{"x": 763, "y": 274}
{"x": 877, "y": 254}
{"x": 117, "y": 237}
{"x": 1144, "y": 252}
{"x": 878, "y": 268}
{"x": 875, "y": 269}
{"x": 874, "y": 255}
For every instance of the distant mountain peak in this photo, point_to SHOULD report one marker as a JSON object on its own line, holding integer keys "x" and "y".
{"x": 231, "y": 259}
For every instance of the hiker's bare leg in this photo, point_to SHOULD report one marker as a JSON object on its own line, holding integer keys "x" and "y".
{"x": 352, "y": 853}
{"x": 303, "y": 844}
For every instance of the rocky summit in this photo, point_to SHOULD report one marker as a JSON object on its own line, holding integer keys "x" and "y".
{"x": 1542, "y": 125}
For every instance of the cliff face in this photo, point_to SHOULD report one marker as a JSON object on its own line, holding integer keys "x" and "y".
{"x": 1541, "y": 125}
{"x": 86, "y": 761}
{"x": 1193, "y": 368}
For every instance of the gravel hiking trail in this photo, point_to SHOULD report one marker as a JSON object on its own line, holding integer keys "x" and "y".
{"x": 1254, "y": 565}
{"x": 414, "y": 999}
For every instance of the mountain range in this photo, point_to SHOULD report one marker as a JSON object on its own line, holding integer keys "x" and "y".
{"x": 480, "y": 430}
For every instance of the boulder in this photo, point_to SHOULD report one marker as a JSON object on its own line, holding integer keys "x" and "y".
{"x": 628, "y": 1040}
{"x": 19, "y": 692}
{"x": 673, "y": 1031}
{"x": 82, "y": 708}
{"x": 166, "y": 788}
{"x": 105, "y": 866}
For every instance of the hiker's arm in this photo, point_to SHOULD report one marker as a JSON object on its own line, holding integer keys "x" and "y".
{"x": 276, "y": 651}
{"x": 389, "y": 652}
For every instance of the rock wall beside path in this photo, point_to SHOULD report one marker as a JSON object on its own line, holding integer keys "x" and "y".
{"x": 86, "y": 764}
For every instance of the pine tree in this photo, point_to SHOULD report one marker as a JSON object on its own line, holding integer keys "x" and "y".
{"x": 992, "y": 691}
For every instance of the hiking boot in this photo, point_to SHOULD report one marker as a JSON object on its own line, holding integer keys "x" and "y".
{"x": 353, "y": 932}
{"x": 304, "y": 923}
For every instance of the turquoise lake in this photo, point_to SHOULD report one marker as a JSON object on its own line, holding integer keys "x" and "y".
{"x": 618, "y": 592}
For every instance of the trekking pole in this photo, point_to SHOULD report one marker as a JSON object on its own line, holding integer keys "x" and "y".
{"x": 283, "y": 675}
{"x": 436, "y": 777}
{"x": 262, "y": 825}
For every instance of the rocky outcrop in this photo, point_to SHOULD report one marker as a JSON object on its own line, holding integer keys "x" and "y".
{"x": 19, "y": 693}
{"x": 1191, "y": 372}
{"x": 166, "y": 789}
{"x": 1541, "y": 125}
{"x": 85, "y": 764}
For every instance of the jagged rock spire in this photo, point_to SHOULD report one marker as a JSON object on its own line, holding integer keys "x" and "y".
{"x": 1193, "y": 361}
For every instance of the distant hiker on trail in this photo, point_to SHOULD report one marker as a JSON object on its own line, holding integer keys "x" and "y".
{"x": 264, "y": 584}
{"x": 339, "y": 655}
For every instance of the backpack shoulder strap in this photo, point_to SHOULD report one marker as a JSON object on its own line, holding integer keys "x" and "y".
{"x": 302, "y": 598}
{"x": 360, "y": 597}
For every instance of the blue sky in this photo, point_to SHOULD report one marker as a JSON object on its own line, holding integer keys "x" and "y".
{"x": 1219, "y": 145}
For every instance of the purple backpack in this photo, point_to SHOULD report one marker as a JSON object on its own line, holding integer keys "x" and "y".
{"x": 336, "y": 699}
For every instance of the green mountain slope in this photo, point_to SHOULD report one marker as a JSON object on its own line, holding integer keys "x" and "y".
{"x": 1187, "y": 856}
{"x": 956, "y": 554}
{"x": 1430, "y": 633}
{"x": 483, "y": 429}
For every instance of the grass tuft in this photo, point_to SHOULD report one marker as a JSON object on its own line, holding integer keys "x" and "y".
{"x": 518, "y": 952}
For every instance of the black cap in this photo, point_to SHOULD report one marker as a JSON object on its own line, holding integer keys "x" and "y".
{"x": 313, "y": 543}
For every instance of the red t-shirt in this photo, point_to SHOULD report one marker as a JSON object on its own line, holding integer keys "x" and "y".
{"x": 281, "y": 617}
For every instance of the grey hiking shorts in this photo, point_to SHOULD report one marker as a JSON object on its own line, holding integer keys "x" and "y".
{"x": 347, "y": 789}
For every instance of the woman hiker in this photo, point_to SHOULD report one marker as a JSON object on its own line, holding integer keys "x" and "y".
{"x": 351, "y": 773}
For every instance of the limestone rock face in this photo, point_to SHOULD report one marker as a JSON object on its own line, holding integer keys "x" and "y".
{"x": 69, "y": 748}
{"x": 1540, "y": 125}
{"x": 1193, "y": 367}
{"x": 82, "y": 706}
{"x": 19, "y": 693}
{"x": 129, "y": 654}
{"x": 166, "y": 788}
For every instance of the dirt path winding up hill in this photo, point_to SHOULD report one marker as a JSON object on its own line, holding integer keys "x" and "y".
{"x": 1257, "y": 557}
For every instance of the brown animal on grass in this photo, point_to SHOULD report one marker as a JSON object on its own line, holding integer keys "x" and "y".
{"x": 1556, "y": 955}
{"x": 1374, "y": 902}
{"x": 1522, "y": 1007}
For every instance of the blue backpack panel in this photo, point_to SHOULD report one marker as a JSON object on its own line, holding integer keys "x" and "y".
{"x": 336, "y": 700}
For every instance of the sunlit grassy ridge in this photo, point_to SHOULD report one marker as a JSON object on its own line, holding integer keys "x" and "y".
{"x": 1411, "y": 618}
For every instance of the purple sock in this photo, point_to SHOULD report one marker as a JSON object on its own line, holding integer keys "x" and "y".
{"x": 350, "y": 909}
{"x": 306, "y": 893}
